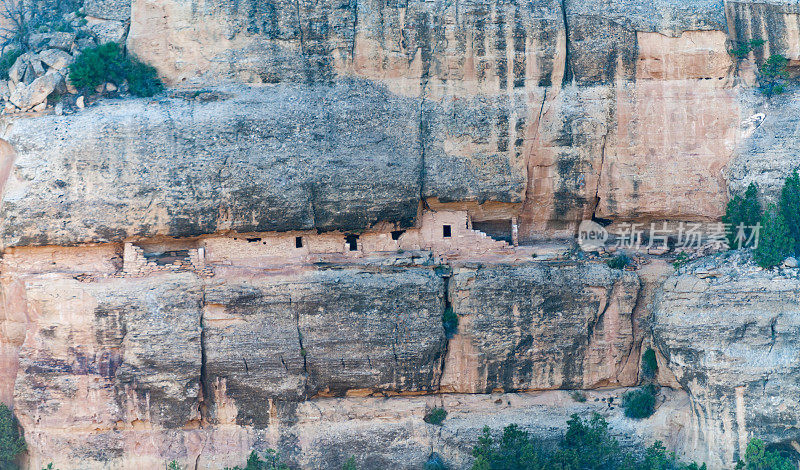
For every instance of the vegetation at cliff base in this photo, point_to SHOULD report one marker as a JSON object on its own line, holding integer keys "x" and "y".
{"x": 435, "y": 416}
{"x": 757, "y": 457}
{"x": 12, "y": 443}
{"x": 109, "y": 63}
{"x": 587, "y": 444}
{"x": 744, "y": 211}
{"x": 640, "y": 403}
{"x": 775, "y": 243}
{"x": 778, "y": 236}
{"x": 271, "y": 461}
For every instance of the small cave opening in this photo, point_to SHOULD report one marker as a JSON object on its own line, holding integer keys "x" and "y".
{"x": 396, "y": 234}
{"x": 352, "y": 242}
{"x": 500, "y": 230}
{"x": 253, "y": 240}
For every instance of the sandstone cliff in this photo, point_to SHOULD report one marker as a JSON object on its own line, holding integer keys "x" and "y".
{"x": 260, "y": 257}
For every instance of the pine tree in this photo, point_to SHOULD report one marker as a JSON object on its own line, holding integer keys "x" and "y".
{"x": 742, "y": 210}
{"x": 774, "y": 243}
{"x": 790, "y": 208}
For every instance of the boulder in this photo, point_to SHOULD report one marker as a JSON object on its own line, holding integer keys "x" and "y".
{"x": 28, "y": 96}
{"x": 58, "y": 39}
{"x": 17, "y": 71}
{"x": 56, "y": 58}
{"x": 108, "y": 31}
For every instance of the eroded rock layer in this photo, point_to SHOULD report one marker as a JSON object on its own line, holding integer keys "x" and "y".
{"x": 261, "y": 257}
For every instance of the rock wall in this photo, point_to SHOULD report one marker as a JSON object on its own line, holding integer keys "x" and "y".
{"x": 726, "y": 329}
{"x": 109, "y": 363}
{"x": 260, "y": 257}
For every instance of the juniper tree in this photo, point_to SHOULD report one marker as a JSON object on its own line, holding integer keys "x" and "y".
{"x": 774, "y": 243}
{"x": 789, "y": 206}
{"x": 742, "y": 211}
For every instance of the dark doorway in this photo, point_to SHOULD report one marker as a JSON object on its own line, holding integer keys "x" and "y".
{"x": 397, "y": 233}
{"x": 352, "y": 242}
{"x": 298, "y": 242}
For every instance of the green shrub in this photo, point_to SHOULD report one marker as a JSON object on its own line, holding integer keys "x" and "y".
{"x": 435, "y": 462}
{"x": 7, "y": 61}
{"x": 587, "y": 444}
{"x": 435, "y": 416}
{"x": 108, "y": 63}
{"x": 757, "y": 457}
{"x": 143, "y": 78}
{"x": 772, "y": 75}
{"x": 649, "y": 363}
{"x": 680, "y": 260}
{"x": 350, "y": 464}
{"x": 450, "y": 322}
{"x": 12, "y": 443}
{"x": 578, "y": 396}
{"x": 174, "y": 465}
{"x": 774, "y": 243}
{"x": 789, "y": 206}
{"x": 742, "y": 211}
{"x": 639, "y": 403}
{"x": 618, "y": 262}
{"x": 254, "y": 462}
{"x": 742, "y": 49}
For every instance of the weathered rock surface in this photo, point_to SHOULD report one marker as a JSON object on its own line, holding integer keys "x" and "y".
{"x": 537, "y": 326}
{"x": 108, "y": 9}
{"x": 728, "y": 332}
{"x": 278, "y": 158}
{"x": 329, "y": 332}
{"x": 248, "y": 358}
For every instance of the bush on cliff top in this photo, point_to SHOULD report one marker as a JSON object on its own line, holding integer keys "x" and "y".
{"x": 587, "y": 444}
{"x": 12, "y": 443}
{"x": 108, "y": 63}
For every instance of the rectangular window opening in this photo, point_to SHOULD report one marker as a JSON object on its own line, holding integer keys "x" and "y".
{"x": 352, "y": 242}
{"x": 447, "y": 231}
{"x": 298, "y": 242}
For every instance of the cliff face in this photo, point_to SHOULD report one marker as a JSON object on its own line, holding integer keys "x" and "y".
{"x": 261, "y": 256}
{"x": 727, "y": 332}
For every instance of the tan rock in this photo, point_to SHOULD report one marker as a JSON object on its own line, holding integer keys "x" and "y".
{"x": 56, "y": 58}
{"x": 28, "y": 96}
